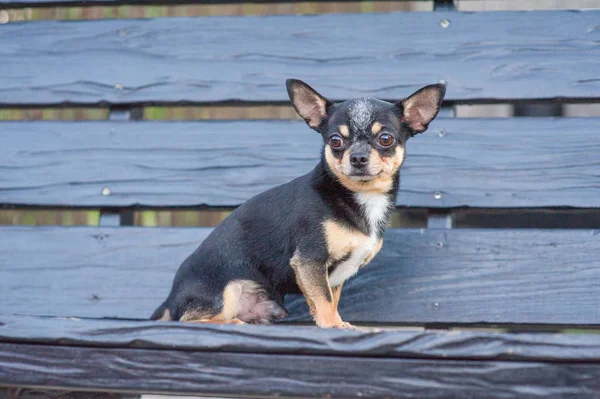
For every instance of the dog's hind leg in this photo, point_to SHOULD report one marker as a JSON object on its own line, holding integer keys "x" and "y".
{"x": 243, "y": 301}
{"x": 256, "y": 306}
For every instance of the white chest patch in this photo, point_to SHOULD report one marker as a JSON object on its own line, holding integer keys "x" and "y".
{"x": 375, "y": 207}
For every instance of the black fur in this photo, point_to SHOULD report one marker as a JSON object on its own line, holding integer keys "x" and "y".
{"x": 257, "y": 241}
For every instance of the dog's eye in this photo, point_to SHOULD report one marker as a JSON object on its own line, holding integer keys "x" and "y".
{"x": 386, "y": 140}
{"x": 336, "y": 141}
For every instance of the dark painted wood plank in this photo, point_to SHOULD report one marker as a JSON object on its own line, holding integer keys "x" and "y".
{"x": 272, "y": 376}
{"x": 41, "y": 393}
{"x": 299, "y": 340}
{"x": 420, "y": 276}
{"x": 70, "y": 3}
{"x": 537, "y": 218}
{"x": 528, "y": 162}
{"x": 482, "y": 56}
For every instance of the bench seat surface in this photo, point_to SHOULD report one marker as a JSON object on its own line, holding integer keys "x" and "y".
{"x": 419, "y": 277}
{"x": 274, "y": 361}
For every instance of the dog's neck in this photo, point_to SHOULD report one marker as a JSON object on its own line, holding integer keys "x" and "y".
{"x": 369, "y": 211}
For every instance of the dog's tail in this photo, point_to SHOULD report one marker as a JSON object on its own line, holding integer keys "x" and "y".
{"x": 162, "y": 313}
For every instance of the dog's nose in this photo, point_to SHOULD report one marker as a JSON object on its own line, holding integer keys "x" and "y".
{"x": 359, "y": 159}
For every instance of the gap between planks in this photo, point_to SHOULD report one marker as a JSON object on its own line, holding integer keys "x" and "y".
{"x": 251, "y": 111}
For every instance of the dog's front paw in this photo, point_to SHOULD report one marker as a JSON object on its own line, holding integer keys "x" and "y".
{"x": 334, "y": 322}
{"x": 345, "y": 325}
{"x": 342, "y": 324}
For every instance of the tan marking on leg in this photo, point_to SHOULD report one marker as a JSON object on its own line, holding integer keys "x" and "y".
{"x": 231, "y": 300}
{"x": 232, "y": 294}
{"x": 326, "y": 315}
{"x": 314, "y": 284}
{"x": 190, "y": 316}
{"x": 311, "y": 305}
{"x": 166, "y": 316}
{"x": 376, "y": 127}
{"x": 337, "y": 293}
{"x": 344, "y": 131}
{"x": 342, "y": 240}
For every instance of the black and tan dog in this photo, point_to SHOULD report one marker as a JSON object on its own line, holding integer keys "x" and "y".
{"x": 314, "y": 232}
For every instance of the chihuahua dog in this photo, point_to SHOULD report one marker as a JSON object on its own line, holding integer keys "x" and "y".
{"x": 309, "y": 235}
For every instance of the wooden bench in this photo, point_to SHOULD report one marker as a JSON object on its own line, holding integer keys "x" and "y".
{"x": 489, "y": 311}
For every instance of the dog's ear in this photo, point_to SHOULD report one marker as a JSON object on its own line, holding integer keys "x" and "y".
{"x": 418, "y": 110}
{"x": 309, "y": 104}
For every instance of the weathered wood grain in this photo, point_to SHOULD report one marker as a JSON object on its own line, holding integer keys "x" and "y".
{"x": 272, "y": 376}
{"x": 482, "y": 56}
{"x": 525, "y": 162}
{"x": 420, "y": 276}
{"x": 299, "y": 340}
{"x": 41, "y": 393}
{"x": 33, "y": 3}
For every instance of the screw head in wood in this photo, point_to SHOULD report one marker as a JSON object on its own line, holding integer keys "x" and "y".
{"x": 119, "y": 86}
{"x": 437, "y": 195}
{"x": 444, "y": 23}
{"x": 106, "y": 191}
{"x": 441, "y": 133}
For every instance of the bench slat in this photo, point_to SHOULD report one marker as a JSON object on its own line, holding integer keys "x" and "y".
{"x": 71, "y": 3}
{"x": 482, "y": 56}
{"x": 276, "y": 360}
{"x": 302, "y": 340}
{"x": 420, "y": 277}
{"x": 505, "y": 163}
{"x": 243, "y": 375}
